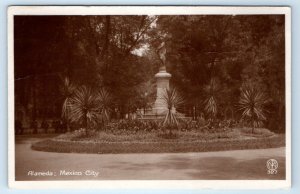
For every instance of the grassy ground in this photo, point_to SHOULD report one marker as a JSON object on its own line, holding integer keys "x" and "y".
{"x": 150, "y": 142}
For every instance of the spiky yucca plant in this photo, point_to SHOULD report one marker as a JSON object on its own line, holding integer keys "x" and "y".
{"x": 171, "y": 99}
{"x": 252, "y": 104}
{"x": 84, "y": 107}
{"x": 66, "y": 90}
{"x": 211, "y": 91}
{"x": 105, "y": 101}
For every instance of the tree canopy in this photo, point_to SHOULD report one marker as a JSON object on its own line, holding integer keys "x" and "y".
{"x": 118, "y": 53}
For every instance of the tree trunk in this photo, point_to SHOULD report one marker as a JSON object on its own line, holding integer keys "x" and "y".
{"x": 106, "y": 43}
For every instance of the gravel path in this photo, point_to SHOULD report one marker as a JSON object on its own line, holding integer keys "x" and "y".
{"x": 225, "y": 165}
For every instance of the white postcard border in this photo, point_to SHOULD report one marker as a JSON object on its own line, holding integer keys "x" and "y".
{"x": 146, "y": 10}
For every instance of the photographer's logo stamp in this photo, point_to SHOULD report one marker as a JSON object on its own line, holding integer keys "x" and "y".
{"x": 272, "y": 166}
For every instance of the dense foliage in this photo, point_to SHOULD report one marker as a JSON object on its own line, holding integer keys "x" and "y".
{"x": 210, "y": 59}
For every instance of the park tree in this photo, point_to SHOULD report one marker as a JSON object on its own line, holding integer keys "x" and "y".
{"x": 39, "y": 60}
{"x": 236, "y": 50}
{"x": 108, "y": 52}
{"x": 118, "y": 53}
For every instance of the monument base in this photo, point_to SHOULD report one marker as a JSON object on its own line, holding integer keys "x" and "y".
{"x": 160, "y": 109}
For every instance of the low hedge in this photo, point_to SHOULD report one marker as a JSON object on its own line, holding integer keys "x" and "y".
{"x": 51, "y": 145}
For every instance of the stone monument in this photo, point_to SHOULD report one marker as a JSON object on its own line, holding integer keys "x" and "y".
{"x": 160, "y": 109}
{"x": 162, "y": 82}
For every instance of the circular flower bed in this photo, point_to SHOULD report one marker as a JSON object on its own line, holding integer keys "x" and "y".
{"x": 159, "y": 141}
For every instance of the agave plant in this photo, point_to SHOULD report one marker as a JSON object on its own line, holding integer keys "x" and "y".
{"x": 66, "y": 90}
{"x": 171, "y": 99}
{"x": 252, "y": 104}
{"x": 105, "y": 100}
{"x": 211, "y": 91}
{"x": 84, "y": 107}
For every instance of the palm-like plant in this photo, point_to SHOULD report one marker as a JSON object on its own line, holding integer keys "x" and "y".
{"x": 171, "y": 99}
{"x": 84, "y": 106}
{"x": 66, "y": 90}
{"x": 105, "y": 100}
{"x": 252, "y": 104}
{"x": 211, "y": 91}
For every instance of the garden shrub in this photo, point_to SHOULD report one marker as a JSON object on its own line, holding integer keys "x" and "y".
{"x": 132, "y": 126}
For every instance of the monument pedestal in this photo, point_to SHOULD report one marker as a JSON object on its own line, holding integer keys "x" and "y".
{"x": 159, "y": 109}
{"x": 162, "y": 84}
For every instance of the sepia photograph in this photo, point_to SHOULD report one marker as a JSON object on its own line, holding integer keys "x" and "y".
{"x": 149, "y": 93}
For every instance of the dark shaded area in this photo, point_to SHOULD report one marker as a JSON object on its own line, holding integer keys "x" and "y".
{"x": 83, "y": 48}
{"x": 97, "y": 51}
{"x": 39, "y": 60}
